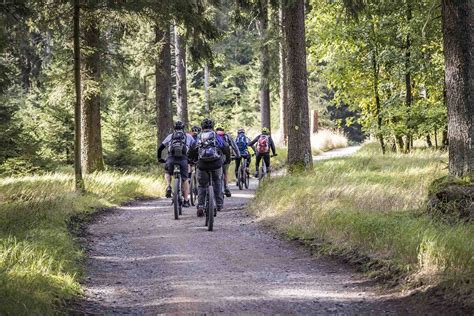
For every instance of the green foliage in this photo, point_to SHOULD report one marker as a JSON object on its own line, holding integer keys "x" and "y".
{"x": 40, "y": 261}
{"x": 373, "y": 205}
{"x": 351, "y": 54}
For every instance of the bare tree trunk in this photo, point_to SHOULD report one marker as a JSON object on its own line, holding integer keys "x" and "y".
{"x": 408, "y": 95}
{"x": 181, "y": 89}
{"x": 164, "y": 118}
{"x": 283, "y": 83}
{"x": 444, "y": 139}
{"x": 400, "y": 143}
{"x": 428, "y": 141}
{"x": 458, "y": 30}
{"x": 436, "y": 138}
{"x": 206, "y": 89}
{"x": 315, "y": 121}
{"x": 91, "y": 139}
{"x": 299, "y": 145}
{"x": 79, "y": 182}
{"x": 264, "y": 65}
{"x": 378, "y": 114}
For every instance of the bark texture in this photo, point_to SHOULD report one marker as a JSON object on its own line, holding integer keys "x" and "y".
{"x": 458, "y": 31}
{"x": 206, "y": 89}
{"x": 283, "y": 85}
{"x": 408, "y": 92}
{"x": 164, "y": 118}
{"x": 264, "y": 65}
{"x": 79, "y": 183}
{"x": 181, "y": 88}
{"x": 378, "y": 110}
{"x": 299, "y": 145}
{"x": 91, "y": 139}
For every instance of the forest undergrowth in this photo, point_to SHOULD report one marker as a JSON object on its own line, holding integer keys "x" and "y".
{"x": 41, "y": 262}
{"x": 371, "y": 208}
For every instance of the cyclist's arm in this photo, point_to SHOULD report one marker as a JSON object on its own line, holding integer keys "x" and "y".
{"x": 160, "y": 150}
{"x": 272, "y": 146}
{"x": 254, "y": 141}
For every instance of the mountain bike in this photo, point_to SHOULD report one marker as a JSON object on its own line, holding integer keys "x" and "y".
{"x": 210, "y": 205}
{"x": 193, "y": 186}
{"x": 177, "y": 196}
{"x": 243, "y": 178}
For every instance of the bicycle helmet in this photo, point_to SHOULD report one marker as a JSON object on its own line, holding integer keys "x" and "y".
{"x": 219, "y": 127}
{"x": 179, "y": 125}
{"x": 241, "y": 130}
{"x": 265, "y": 130}
{"x": 207, "y": 124}
{"x": 196, "y": 129}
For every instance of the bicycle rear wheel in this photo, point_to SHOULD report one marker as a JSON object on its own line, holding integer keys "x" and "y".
{"x": 240, "y": 174}
{"x": 176, "y": 202}
{"x": 246, "y": 177}
{"x": 261, "y": 174}
{"x": 210, "y": 208}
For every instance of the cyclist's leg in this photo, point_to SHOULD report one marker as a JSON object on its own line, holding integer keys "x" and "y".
{"x": 257, "y": 163}
{"x": 203, "y": 182}
{"x": 217, "y": 184}
{"x": 225, "y": 167}
{"x": 249, "y": 161}
{"x": 226, "y": 180}
{"x": 226, "y": 171}
{"x": 237, "y": 165}
{"x": 169, "y": 165}
{"x": 184, "y": 176}
{"x": 266, "y": 158}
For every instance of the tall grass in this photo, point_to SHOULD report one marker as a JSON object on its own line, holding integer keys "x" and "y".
{"x": 326, "y": 140}
{"x": 373, "y": 205}
{"x": 40, "y": 262}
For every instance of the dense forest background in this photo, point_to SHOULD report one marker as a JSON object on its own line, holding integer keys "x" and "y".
{"x": 382, "y": 70}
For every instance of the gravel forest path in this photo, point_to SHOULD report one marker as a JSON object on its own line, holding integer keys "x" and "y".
{"x": 142, "y": 261}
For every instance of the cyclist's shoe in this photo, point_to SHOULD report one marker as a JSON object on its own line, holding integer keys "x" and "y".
{"x": 237, "y": 182}
{"x": 247, "y": 170}
{"x": 256, "y": 174}
{"x": 168, "y": 192}
{"x": 218, "y": 209}
{"x": 200, "y": 211}
{"x": 186, "y": 204}
{"x": 227, "y": 192}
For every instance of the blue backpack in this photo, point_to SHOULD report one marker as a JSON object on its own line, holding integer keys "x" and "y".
{"x": 242, "y": 143}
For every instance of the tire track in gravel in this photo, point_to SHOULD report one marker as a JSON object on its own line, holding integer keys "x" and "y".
{"x": 142, "y": 261}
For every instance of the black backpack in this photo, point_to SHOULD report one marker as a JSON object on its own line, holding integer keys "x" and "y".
{"x": 177, "y": 147}
{"x": 208, "y": 150}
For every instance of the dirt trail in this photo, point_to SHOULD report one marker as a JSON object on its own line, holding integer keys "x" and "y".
{"x": 141, "y": 261}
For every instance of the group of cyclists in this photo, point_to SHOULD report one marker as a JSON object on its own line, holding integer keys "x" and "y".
{"x": 210, "y": 150}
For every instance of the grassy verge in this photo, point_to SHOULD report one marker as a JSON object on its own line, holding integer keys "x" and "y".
{"x": 40, "y": 262}
{"x": 373, "y": 205}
